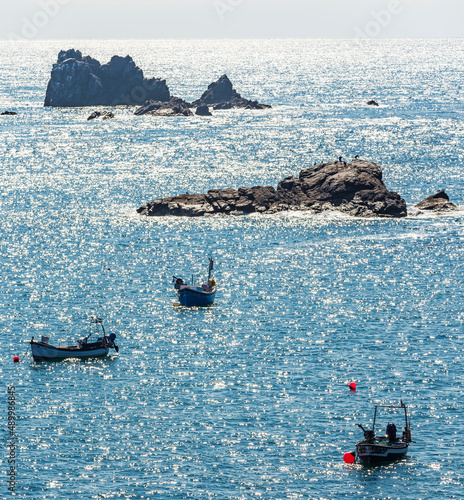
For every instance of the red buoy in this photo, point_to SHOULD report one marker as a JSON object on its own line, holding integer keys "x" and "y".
{"x": 353, "y": 386}
{"x": 16, "y": 359}
{"x": 349, "y": 458}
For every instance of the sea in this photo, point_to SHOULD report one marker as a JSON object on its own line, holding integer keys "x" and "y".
{"x": 249, "y": 398}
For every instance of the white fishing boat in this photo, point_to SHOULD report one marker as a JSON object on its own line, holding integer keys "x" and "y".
{"x": 90, "y": 346}
{"x": 382, "y": 448}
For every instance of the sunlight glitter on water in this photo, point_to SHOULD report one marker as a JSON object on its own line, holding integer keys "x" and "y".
{"x": 249, "y": 398}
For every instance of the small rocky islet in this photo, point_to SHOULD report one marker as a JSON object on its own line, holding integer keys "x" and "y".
{"x": 222, "y": 95}
{"x": 104, "y": 115}
{"x": 79, "y": 81}
{"x": 438, "y": 202}
{"x": 354, "y": 188}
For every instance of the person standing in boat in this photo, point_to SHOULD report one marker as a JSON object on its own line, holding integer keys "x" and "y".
{"x": 391, "y": 432}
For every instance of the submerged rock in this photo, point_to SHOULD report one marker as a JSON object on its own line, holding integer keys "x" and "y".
{"x": 104, "y": 115}
{"x": 355, "y": 188}
{"x": 438, "y": 202}
{"x": 222, "y": 95}
{"x": 173, "y": 107}
{"x": 8, "y": 113}
{"x": 82, "y": 81}
{"x": 372, "y": 103}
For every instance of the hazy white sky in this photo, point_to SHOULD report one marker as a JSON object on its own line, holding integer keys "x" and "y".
{"x": 44, "y": 19}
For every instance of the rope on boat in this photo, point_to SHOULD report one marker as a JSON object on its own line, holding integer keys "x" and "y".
{"x": 27, "y": 348}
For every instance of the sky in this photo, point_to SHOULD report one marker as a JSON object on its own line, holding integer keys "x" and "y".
{"x": 155, "y": 19}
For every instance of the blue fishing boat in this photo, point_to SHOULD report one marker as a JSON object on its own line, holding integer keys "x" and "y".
{"x": 196, "y": 296}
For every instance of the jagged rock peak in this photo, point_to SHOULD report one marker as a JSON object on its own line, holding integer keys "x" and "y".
{"x": 222, "y": 95}
{"x": 219, "y": 91}
{"x": 82, "y": 81}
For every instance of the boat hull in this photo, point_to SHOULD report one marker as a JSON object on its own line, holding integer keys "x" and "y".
{"x": 195, "y": 297}
{"x": 45, "y": 352}
{"x": 374, "y": 453}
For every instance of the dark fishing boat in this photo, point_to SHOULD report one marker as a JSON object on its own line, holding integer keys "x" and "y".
{"x": 196, "y": 296}
{"x": 85, "y": 347}
{"x": 382, "y": 448}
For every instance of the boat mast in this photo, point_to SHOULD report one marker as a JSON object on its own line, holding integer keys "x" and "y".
{"x": 407, "y": 428}
{"x": 210, "y": 268}
{"x": 98, "y": 321}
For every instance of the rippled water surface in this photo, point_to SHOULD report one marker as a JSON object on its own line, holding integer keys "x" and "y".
{"x": 246, "y": 399}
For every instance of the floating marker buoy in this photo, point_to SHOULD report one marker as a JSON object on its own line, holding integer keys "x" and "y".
{"x": 16, "y": 359}
{"x": 349, "y": 458}
{"x": 353, "y": 386}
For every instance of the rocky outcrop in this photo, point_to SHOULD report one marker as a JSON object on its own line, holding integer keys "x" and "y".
{"x": 203, "y": 110}
{"x": 355, "y": 188}
{"x": 78, "y": 81}
{"x": 104, "y": 115}
{"x": 222, "y": 95}
{"x": 438, "y": 202}
{"x": 173, "y": 107}
{"x": 8, "y": 113}
{"x": 372, "y": 103}
{"x": 82, "y": 81}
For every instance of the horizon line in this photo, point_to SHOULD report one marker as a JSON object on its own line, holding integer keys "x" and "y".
{"x": 366, "y": 39}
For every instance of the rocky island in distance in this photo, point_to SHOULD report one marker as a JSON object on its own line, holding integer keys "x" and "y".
{"x": 354, "y": 188}
{"x": 78, "y": 81}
